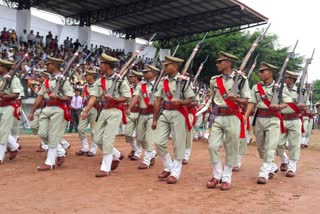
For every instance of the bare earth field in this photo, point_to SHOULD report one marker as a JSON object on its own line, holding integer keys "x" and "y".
{"x": 73, "y": 187}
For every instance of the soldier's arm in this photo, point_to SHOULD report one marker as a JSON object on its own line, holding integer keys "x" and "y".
{"x": 156, "y": 108}
{"x": 11, "y": 96}
{"x": 250, "y": 108}
{"x": 134, "y": 101}
{"x": 36, "y": 105}
{"x": 91, "y": 102}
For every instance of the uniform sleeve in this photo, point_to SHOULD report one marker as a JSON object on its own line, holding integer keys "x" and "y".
{"x": 15, "y": 86}
{"x": 42, "y": 90}
{"x": 188, "y": 93}
{"x": 67, "y": 89}
{"x": 95, "y": 90}
{"x": 286, "y": 98}
{"x": 125, "y": 89}
{"x": 137, "y": 91}
{"x": 159, "y": 92}
{"x": 212, "y": 87}
{"x": 245, "y": 90}
{"x": 253, "y": 97}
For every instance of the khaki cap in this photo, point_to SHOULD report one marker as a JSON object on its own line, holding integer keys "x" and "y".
{"x": 53, "y": 60}
{"x": 91, "y": 71}
{"x": 107, "y": 58}
{"x": 172, "y": 59}
{"x": 292, "y": 74}
{"x": 6, "y": 63}
{"x": 226, "y": 56}
{"x": 45, "y": 73}
{"x": 135, "y": 73}
{"x": 268, "y": 66}
{"x": 148, "y": 67}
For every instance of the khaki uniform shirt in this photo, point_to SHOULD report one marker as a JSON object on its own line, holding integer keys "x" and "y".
{"x": 228, "y": 81}
{"x": 268, "y": 89}
{"x": 294, "y": 96}
{"x": 15, "y": 86}
{"x": 67, "y": 89}
{"x": 187, "y": 93}
{"x": 122, "y": 89}
{"x": 138, "y": 92}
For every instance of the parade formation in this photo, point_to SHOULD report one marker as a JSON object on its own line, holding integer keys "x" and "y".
{"x": 155, "y": 104}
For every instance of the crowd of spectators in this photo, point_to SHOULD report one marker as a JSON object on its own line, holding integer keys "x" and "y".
{"x": 38, "y": 47}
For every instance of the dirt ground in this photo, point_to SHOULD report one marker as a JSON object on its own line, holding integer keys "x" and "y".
{"x": 73, "y": 188}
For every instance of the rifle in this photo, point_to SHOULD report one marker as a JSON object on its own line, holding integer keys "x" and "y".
{"x": 155, "y": 86}
{"x": 82, "y": 60}
{"x": 235, "y": 88}
{"x": 11, "y": 74}
{"x": 66, "y": 73}
{"x": 199, "y": 70}
{"x": 177, "y": 93}
{"x": 302, "y": 79}
{"x": 252, "y": 67}
{"x": 278, "y": 86}
{"x": 124, "y": 69}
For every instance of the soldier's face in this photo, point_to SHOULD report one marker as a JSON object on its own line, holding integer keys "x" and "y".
{"x": 170, "y": 68}
{"x": 148, "y": 75}
{"x": 3, "y": 70}
{"x": 222, "y": 65}
{"x": 265, "y": 74}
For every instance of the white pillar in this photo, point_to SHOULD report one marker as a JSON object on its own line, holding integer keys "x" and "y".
{"x": 129, "y": 45}
{"x": 23, "y": 21}
{"x": 84, "y": 35}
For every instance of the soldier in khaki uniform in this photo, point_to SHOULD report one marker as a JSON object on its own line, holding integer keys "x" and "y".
{"x": 145, "y": 135}
{"x": 112, "y": 111}
{"x": 171, "y": 119}
{"x": 307, "y": 118}
{"x": 268, "y": 124}
{"x": 8, "y": 99}
{"x": 292, "y": 124}
{"x": 34, "y": 124}
{"x": 53, "y": 115}
{"x": 132, "y": 119}
{"x": 226, "y": 128}
{"x": 90, "y": 77}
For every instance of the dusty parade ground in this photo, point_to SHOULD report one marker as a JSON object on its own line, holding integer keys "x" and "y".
{"x": 73, "y": 188}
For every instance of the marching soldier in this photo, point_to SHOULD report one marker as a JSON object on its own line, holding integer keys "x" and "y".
{"x": 53, "y": 115}
{"x": 112, "y": 111}
{"x": 90, "y": 77}
{"x": 8, "y": 105}
{"x": 145, "y": 135}
{"x": 132, "y": 119}
{"x": 292, "y": 123}
{"x": 228, "y": 125}
{"x": 34, "y": 124}
{"x": 268, "y": 122}
{"x": 307, "y": 118}
{"x": 173, "y": 118}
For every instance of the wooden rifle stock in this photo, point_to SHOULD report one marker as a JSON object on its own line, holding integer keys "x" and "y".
{"x": 278, "y": 86}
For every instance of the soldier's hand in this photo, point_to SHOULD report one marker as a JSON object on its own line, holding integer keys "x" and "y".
{"x": 83, "y": 115}
{"x": 154, "y": 125}
{"x": 31, "y": 117}
{"x": 1, "y": 95}
{"x": 245, "y": 120}
{"x": 274, "y": 107}
{"x": 231, "y": 96}
{"x": 108, "y": 96}
{"x": 301, "y": 107}
{"x": 53, "y": 96}
{"x": 128, "y": 111}
{"x": 175, "y": 102}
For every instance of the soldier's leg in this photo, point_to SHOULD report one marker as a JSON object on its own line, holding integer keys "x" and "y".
{"x": 215, "y": 144}
{"x": 272, "y": 135}
{"x": 162, "y": 134}
{"x": 231, "y": 146}
{"x": 309, "y": 130}
{"x": 280, "y": 151}
{"x": 83, "y": 124}
{"x": 304, "y": 135}
{"x": 15, "y": 128}
{"x": 128, "y": 132}
{"x": 92, "y": 120}
{"x": 197, "y": 133}
{"x": 206, "y": 127}
{"x": 6, "y": 123}
{"x": 294, "y": 138}
{"x": 112, "y": 122}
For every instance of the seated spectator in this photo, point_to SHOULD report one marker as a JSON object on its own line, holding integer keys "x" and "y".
{"x": 31, "y": 38}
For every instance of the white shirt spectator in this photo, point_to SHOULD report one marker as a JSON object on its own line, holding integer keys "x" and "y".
{"x": 24, "y": 38}
{"x": 76, "y": 102}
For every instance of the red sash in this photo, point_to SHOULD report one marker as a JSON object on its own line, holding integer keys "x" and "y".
{"x": 181, "y": 109}
{"x": 145, "y": 94}
{"x": 231, "y": 105}
{"x": 294, "y": 107}
{"x": 121, "y": 106}
{"x": 131, "y": 91}
{"x": 64, "y": 106}
{"x": 266, "y": 101}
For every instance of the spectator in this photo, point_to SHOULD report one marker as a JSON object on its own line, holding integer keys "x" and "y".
{"x": 31, "y": 38}
{"x": 38, "y": 39}
{"x": 13, "y": 36}
{"x": 24, "y": 38}
{"x": 76, "y": 106}
{"x": 76, "y": 44}
{"x": 48, "y": 39}
{"x": 4, "y": 35}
